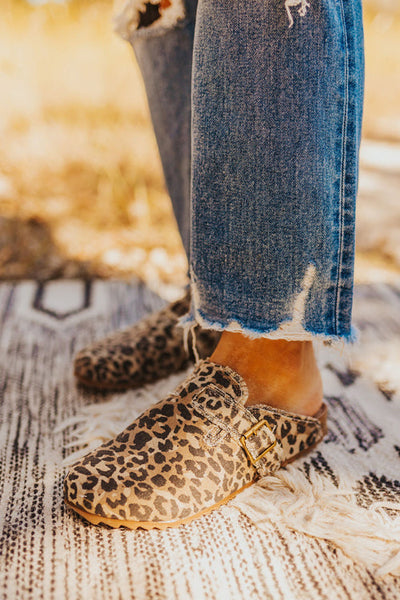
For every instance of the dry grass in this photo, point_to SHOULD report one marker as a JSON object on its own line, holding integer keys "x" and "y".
{"x": 382, "y": 76}
{"x": 81, "y": 189}
{"x": 78, "y": 153}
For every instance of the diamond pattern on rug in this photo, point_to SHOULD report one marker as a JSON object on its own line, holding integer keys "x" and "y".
{"x": 48, "y": 552}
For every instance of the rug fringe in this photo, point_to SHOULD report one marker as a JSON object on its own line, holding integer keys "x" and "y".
{"x": 313, "y": 505}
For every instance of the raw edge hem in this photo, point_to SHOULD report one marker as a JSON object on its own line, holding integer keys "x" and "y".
{"x": 336, "y": 341}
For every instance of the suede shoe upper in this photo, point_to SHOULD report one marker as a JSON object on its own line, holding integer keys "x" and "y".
{"x": 151, "y": 349}
{"x": 190, "y": 452}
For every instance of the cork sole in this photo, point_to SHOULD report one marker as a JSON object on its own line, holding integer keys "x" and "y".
{"x": 110, "y": 387}
{"x": 114, "y": 387}
{"x": 117, "y": 523}
{"x": 106, "y": 387}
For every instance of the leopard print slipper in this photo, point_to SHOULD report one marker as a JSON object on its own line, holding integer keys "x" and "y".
{"x": 188, "y": 454}
{"x": 149, "y": 350}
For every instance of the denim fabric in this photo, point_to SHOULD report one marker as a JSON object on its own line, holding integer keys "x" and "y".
{"x": 164, "y": 56}
{"x": 276, "y": 108}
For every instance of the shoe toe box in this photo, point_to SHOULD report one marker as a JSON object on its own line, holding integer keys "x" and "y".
{"x": 156, "y": 476}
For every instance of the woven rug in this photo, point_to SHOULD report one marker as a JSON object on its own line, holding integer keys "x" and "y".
{"x": 327, "y": 527}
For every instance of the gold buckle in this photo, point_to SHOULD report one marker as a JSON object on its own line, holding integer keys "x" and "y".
{"x": 250, "y": 432}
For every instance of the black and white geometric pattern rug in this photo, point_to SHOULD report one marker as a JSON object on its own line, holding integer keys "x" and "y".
{"x": 327, "y": 527}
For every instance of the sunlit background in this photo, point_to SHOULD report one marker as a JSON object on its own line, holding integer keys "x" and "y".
{"x": 81, "y": 188}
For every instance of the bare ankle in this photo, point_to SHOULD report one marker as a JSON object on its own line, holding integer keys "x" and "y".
{"x": 279, "y": 373}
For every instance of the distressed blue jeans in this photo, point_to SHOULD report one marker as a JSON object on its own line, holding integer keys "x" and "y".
{"x": 257, "y": 109}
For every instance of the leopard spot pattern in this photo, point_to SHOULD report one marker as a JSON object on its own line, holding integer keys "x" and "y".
{"x": 160, "y": 468}
{"x": 149, "y": 350}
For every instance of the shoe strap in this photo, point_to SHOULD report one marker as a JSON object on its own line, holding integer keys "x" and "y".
{"x": 254, "y": 436}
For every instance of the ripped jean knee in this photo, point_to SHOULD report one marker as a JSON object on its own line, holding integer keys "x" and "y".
{"x": 302, "y": 9}
{"x": 139, "y": 15}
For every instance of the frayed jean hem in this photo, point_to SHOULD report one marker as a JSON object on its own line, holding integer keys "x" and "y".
{"x": 283, "y": 331}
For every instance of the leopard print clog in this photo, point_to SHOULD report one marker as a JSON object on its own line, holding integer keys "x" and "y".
{"x": 188, "y": 454}
{"x": 151, "y": 349}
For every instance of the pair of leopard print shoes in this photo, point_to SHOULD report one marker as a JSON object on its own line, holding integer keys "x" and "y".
{"x": 188, "y": 454}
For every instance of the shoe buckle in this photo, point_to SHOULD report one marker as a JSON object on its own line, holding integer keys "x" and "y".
{"x": 252, "y": 431}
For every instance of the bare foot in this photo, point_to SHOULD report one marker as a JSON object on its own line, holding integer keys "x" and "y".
{"x": 279, "y": 373}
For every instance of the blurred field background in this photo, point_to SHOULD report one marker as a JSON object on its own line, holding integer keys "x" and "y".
{"x": 81, "y": 188}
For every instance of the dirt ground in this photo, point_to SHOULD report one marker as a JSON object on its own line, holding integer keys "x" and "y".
{"x": 81, "y": 188}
